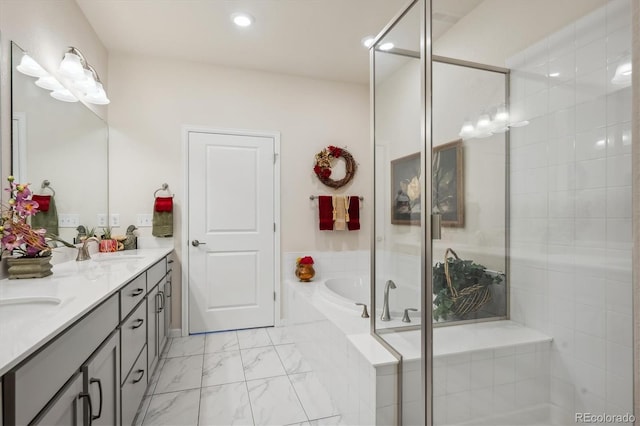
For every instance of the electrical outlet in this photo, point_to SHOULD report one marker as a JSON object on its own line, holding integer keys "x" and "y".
{"x": 102, "y": 220}
{"x": 68, "y": 220}
{"x": 144, "y": 219}
{"x": 114, "y": 220}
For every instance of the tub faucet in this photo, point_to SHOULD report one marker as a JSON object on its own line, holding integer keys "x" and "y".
{"x": 83, "y": 251}
{"x": 385, "y": 305}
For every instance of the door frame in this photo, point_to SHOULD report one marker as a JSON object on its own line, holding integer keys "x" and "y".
{"x": 186, "y": 130}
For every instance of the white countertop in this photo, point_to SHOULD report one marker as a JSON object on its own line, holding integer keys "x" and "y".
{"x": 80, "y": 285}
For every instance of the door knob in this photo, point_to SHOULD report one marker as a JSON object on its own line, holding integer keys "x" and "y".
{"x": 196, "y": 243}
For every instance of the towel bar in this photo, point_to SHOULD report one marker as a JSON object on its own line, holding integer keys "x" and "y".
{"x": 47, "y": 185}
{"x": 313, "y": 197}
{"x": 165, "y": 187}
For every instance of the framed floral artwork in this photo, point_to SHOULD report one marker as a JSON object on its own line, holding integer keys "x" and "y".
{"x": 448, "y": 184}
{"x": 406, "y": 199}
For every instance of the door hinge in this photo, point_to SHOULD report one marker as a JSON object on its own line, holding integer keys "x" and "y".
{"x": 274, "y": 227}
{"x": 274, "y": 296}
{"x": 275, "y": 157}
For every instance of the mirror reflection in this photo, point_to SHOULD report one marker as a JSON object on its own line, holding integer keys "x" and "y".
{"x": 59, "y": 148}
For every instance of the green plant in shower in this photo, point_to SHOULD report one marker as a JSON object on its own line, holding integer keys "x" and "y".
{"x": 466, "y": 276}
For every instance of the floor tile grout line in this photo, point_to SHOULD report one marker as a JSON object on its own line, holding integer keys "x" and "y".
{"x": 253, "y": 417}
{"x": 291, "y": 383}
{"x": 204, "y": 345}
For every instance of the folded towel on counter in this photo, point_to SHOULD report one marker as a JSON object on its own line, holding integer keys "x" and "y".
{"x": 325, "y": 212}
{"x": 339, "y": 223}
{"x": 354, "y": 213}
{"x": 162, "y": 223}
{"x": 47, "y": 216}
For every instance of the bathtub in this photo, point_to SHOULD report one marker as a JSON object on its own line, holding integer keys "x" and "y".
{"x": 347, "y": 291}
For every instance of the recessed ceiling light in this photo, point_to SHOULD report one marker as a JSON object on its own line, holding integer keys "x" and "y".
{"x": 386, "y": 46}
{"x": 368, "y": 41}
{"x": 242, "y": 19}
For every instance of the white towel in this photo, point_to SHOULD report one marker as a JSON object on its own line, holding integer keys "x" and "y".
{"x": 339, "y": 223}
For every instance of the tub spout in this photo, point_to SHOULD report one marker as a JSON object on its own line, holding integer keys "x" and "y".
{"x": 385, "y": 305}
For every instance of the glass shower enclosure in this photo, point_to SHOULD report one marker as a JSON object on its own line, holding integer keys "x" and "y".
{"x": 501, "y": 261}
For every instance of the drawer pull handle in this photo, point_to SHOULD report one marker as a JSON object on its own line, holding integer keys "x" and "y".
{"x": 99, "y": 382}
{"x": 169, "y": 288}
{"x": 140, "y": 321}
{"x": 170, "y": 261}
{"x": 88, "y": 397}
{"x": 141, "y": 376}
{"x": 137, "y": 292}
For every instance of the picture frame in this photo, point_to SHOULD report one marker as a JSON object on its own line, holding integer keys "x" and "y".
{"x": 448, "y": 183}
{"x": 406, "y": 199}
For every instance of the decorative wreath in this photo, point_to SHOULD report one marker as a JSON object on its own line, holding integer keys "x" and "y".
{"x": 324, "y": 160}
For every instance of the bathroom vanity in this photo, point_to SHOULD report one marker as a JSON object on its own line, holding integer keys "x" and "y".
{"x": 78, "y": 347}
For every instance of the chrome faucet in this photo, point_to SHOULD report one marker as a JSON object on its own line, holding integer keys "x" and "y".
{"x": 83, "y": 252}
{"x": 385, "y": 305}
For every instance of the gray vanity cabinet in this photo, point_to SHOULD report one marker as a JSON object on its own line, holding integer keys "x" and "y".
{"x": 101, "y": 381}
{"x": 156, "y": 312}
{"x": 66, "y": 408}
{"x": 152, "y": 329}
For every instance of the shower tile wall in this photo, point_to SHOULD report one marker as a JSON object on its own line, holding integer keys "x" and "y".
{"x": 571, "y": 228}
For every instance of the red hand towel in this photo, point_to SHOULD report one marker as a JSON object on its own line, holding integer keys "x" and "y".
{"x": 354, "y": 213}
{"x": 325, "y": 212}
{"x": 43, "y": 202}
{"x": 163, "y": 204}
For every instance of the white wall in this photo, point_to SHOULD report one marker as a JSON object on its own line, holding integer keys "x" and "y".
{"x": 153, "y": 98}
{"x": 45, "y": 29}
{"x": 571, "y": 217}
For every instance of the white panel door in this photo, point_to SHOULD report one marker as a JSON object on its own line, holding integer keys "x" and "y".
{"x": 231, "y": 231}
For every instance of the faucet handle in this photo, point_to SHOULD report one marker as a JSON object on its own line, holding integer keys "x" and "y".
{"x": 405, "y": 317}
{"x": 365, "y": 313}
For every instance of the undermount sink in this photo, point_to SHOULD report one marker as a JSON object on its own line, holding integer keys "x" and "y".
{"x": 116, "y": 257}
{"x": 31, "y": 300}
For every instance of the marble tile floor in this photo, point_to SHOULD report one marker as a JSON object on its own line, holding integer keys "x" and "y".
{"x": 244, "y": 377}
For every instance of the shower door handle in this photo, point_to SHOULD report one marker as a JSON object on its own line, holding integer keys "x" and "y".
{"x": 436, "y": 226}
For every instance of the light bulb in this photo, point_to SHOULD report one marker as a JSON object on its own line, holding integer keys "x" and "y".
{"x": 501, "y": 114}
{"x": 242, "y": 19}
{"x": 368, "y": 41}
{"x": 386, "y": 46}
{"x": 467, "y": 130}
{"x": 483, "y": 121}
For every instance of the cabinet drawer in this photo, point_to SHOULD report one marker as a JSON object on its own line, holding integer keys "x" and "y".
{"x": 133, "y": 335}
{"x": 132, "y": 294}
{"x": 156, "y": 273}
{"x": 133, "y": 389}
{"x": 37, "y": 381}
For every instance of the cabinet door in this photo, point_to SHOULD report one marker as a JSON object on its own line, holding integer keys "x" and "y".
{"x": 152, "y": 329}
{"x": 162, "y": 301}
{"x": 66, "y": 407}
{"x": 168, "y": 290}
{"x": 101, "y": 380}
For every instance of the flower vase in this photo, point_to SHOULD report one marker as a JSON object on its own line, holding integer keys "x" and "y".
{"x": 29, "y": 267}
{"x": 305, "y": 272}
{"x": 108, "y": 246}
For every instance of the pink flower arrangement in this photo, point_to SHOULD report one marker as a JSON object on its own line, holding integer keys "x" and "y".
{"x": 18, "y": 237}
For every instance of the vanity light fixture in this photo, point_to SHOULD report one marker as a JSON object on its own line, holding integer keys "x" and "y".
{"x": 83, "y": 77}
{"x": 242, "y": 19}
{"x": 28, "y": 66}
{"x": 386, "y": 46}
{"x": 49, "y": 82}
{"x": 64, "y": 95}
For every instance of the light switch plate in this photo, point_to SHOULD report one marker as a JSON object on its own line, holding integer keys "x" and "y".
{"x": 68, "y": 220}
{"x": 114, "y": 220}
{"x": 102, "y": 220}
{"x": 144, "y": 220}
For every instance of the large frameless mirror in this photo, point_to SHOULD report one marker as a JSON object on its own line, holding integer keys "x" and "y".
{"x": 60, "y": 148}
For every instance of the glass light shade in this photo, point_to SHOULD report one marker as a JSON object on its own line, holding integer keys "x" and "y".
{"x": 501, "y": 114}
{"x": 63, "y": 95}
{"x": 519, "y": 123}
{"x": 87, "y": 84}
{"x": 71, "y": 67}
{"x": 30, "y": 67}
{"x": 386, "y": 46}
{"x": 49, "y": 82}
{"x": 97, "y": 96}
{"x": 483, "y": 122}
{"x": 467, "y": 130}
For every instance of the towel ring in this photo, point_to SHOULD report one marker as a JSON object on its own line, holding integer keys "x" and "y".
{"x": 165, "y": 187}
{"x": 47, "y": 185}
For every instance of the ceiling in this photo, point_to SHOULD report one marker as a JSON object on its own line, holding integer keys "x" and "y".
{"x": 313, "y": 38}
